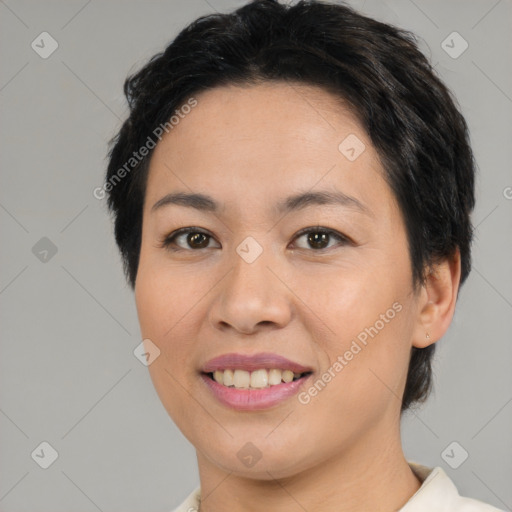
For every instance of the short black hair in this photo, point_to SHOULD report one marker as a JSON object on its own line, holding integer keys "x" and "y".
{"x": 377, "y": 69}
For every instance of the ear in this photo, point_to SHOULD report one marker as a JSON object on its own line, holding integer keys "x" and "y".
{"x": 437, "y": 300}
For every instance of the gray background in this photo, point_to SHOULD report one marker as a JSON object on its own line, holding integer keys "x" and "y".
{"x": 68, "y": 375}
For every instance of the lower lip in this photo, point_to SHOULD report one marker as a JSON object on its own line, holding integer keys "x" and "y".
{"x": 253, "y": 399}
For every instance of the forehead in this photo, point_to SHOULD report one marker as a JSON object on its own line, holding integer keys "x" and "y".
{"x": 265, "y": 140}
{"x": 269, "y": 117}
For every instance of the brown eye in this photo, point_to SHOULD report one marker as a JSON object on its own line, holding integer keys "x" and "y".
{"x": 197, "y": 240}
{"x": 319, "y": 238}
{"x": 188, "y": 238}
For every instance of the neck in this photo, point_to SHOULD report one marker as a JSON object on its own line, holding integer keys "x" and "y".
{"x": 371, "y": 476}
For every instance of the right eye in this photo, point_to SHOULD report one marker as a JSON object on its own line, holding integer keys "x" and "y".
{"x": 196, "y": 238}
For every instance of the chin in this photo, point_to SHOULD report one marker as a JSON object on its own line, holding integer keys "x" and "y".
{"x": 261, "y": 459}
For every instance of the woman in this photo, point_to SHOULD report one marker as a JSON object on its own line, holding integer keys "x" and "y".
{"x": 292, "y": 194}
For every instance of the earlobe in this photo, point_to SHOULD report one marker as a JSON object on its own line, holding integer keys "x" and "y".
{"x": 437, "y": 301}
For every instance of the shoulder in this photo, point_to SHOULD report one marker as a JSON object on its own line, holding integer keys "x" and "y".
{"x": 439, "y": 493}
{"x": 191, "y": 503}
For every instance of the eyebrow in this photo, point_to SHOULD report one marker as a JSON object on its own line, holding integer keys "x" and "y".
{"x": 296, "y": 202}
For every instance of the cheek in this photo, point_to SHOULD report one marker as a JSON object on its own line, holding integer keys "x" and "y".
{"x": 368, "y": 353}
{"x": 375, "y": 359}
{"x": 348, "y": 299}
{"x": 161, "y": 303}
{"x": 165, "y": 297}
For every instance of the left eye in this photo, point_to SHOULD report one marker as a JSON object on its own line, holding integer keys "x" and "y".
{"x": 319, "y": 238}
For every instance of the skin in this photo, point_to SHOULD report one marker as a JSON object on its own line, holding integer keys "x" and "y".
{"x": 249, "y": 148}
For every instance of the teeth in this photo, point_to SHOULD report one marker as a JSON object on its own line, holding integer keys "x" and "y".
{"x": 287, "y": 376}
{"x": 257, "y": 379}
{"x": 229, "y": 379}
{"x": 274, "y": 377}
{"x": 241, "y": 379}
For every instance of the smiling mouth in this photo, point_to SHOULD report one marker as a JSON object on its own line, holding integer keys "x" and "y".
{"x": 257, "y": 379}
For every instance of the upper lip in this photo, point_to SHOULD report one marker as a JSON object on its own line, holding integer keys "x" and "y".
{"x": 253, "y": 362}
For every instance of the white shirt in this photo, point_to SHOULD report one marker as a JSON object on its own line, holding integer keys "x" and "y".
{"x": 436, "y": 494}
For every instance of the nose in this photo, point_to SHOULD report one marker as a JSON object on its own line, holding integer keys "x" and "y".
{"x": 252, "y": 297}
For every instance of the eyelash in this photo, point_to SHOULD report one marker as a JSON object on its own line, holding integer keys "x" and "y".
{"x": 169, "y": 241}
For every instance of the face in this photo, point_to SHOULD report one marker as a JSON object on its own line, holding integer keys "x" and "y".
{"x": 324, "y": 283}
